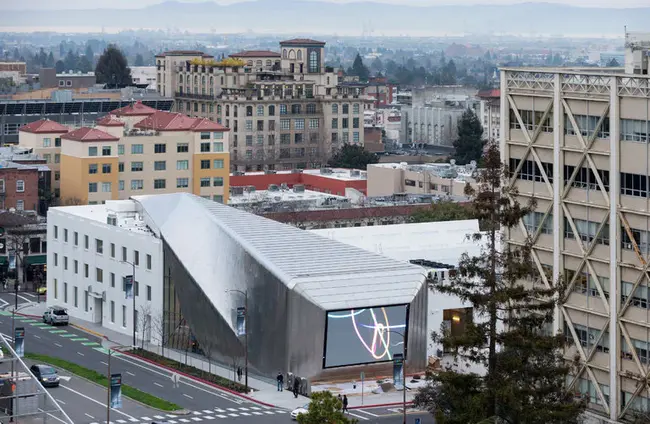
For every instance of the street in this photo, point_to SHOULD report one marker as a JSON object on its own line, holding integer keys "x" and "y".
{"x": 85, "y": 402}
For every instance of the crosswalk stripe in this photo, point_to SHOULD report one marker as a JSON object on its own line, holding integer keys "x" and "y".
{"x": 246, "y": 414}
{"x": 243, "y": 409}
{"x": 233, "y": 415}
{"x": 197, "y": 419}
{"x": 209, "y": 417}
{"x": 171, "y": 421}
{"x": 183, "y": 420}
{"x": 219, "y": 410}
{"x": 359, "y": 416}
{"x": 255, "y": 408}
{"x": 146, "y": 419}
{"x": 232, "y": 409}
{"x": 257, "y": 413}
{"x": 268, "y": 412}
{"x": 159, "y": 417}
{"x": 120, "y": 421}
{"x": 134, "y": 420}
{"x": 207, "y": 411}
{"x": 222, "y": 416}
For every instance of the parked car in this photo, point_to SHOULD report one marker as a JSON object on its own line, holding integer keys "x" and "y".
{"x": 298, "y": 411}
{"x": 46, "y": 375}
{"x": 55, "y": 315}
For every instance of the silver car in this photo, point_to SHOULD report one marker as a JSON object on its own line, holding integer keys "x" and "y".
{"x": 56, "y": 315}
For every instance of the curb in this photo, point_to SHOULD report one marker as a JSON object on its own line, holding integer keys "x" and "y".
{"x": 28, "y": 315}
{"x": 380, "y": 405}
{"x": 94, "y": 333}
{"x": 191, "y": 377}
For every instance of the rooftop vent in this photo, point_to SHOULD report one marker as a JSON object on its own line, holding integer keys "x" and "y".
{"x": 274, "y": 187}
{"x": 284, "y": 186}
{"x": 249, "y": 189}
{"x": 270, "y": 172}
{"x": 326, "y": 171}
{"x": 111, "y": 219}
{"x": 237, "y": 173}
{"x": 299, "y": 188}
{"x": 236, "y": 191}
{"x": 355, "y": 173}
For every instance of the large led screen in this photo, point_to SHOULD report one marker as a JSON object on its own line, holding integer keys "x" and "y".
{"x": 362, "y": 336}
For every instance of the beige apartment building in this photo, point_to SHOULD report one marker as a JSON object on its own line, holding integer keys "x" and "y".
{"x": 576, "y": 141}
{"x": 442, "y": 179}
{"x": 134, "y": 150}
{"x": 286, "y": 109}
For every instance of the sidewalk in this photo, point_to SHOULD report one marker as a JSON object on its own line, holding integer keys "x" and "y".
{"x": 265, "y": 391}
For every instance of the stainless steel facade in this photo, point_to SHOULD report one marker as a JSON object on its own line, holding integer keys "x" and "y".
{"x": 292, "y": 278}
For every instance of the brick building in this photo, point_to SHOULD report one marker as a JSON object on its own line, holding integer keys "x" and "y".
{"x": 326, "y": 180}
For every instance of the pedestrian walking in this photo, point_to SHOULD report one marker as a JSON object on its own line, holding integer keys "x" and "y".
{"x": 239, "y": 373}
{"x": 340, "y": 402}
{"x": 296, "y": 387}
{"x": 280, "y": 380}
{"x": 345, "y": 403}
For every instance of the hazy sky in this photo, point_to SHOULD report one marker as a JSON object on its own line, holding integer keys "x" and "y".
{"x": 87, "y": 4}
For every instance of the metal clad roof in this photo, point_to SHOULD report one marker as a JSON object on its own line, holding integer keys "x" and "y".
{"x": 330, "y": 274}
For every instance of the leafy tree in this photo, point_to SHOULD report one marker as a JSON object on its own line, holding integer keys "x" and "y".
{"x": 469, "y": 144}
{"x": 139, "y": 60}
{"x": 445, "y": 210}
{"x": 353, "y": 156}
{"x": 112, "y": 67}
{"x": 525, "y": 378}
{"x": 358, "y": 69}
{"x": 324, "y": 408}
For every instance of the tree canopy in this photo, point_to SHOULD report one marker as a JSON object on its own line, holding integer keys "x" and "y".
{"x": 324, "y": 408}
{"x": 469, "y": 144}
{"x": 444, "y": 210}
{"x": 112, "y": 68}
{"x": 358, "y": 69}
{"x": 353, "y": 156}
{"x": 508, "y": 331}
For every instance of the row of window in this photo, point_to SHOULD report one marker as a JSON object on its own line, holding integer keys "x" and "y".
{"x": 161, "y": 165}
{"x": 159, "y": 184}
{"x": 20, "y": 186}
{"x": 587, "y": 337}
{"x": 47, "y": 142}
{"x": 345, "y": 123}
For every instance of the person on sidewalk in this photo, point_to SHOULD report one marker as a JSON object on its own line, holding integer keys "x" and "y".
{"x": 340, "y": 402}
{"x": 345, "y": 404}
{"x": 296, "y": 387}
{"x": 239, "y": 373}
{"x": 280, "y": 379}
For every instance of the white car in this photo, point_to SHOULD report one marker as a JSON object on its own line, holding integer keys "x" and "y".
{"x": 300, "y": 410}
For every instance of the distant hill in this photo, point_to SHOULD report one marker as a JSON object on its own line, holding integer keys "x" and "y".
{"x": 293, "y": 16}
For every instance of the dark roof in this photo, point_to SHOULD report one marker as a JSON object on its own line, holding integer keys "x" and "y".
{"x": 256, "y": 53}
{"x": 184, "y": 53}
{"x": 44, "y": 126}
{"x": 86, "y": 134}
{"x": 10, "y": 219}
{"x": 301, "y": 41}
{"x": 170, "y": 121}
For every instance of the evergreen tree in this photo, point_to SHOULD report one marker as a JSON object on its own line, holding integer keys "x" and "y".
{"x": 358, "y": 69}
{"x": 71, "y": 61}
{"x": 353, "y": 156}
{"x": 50, "y": 60}
{"x": 526, "y": 374}
{"x": 139, "y": 60}
{"x": 112, "y": 67}
{"x": 469, "y": 144}
{"x": 59, "y": 66}
{"x": 16, "y": 54}
{"x": 324, "y": 408}
{"x": 84, "y": 65}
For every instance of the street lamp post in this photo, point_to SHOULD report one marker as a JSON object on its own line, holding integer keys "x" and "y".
{"x": 134, "y": 292}
{"x": 403, "y": 376}
{"x": 245, "y": 293}
{"x": 108, "y": 376}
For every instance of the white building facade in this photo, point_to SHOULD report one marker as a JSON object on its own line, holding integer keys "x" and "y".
{"x": 90, "y": 251}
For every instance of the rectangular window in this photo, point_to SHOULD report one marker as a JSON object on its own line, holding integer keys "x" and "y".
{"x": 159, "y": 165}
{"x": 137, "y": 166}
{"x": 112, "y": 279}
{"x": 299, "y": 124}
{"x": 217, "y": 198}
{"x": 585, "y": 178}
{"x": 640, "y": 298}
{"x": 217, "y": 147}
{"x": 65, "y": 235}
{"x": 92, "y": 168}
{"x": 355, "y": 108}
{"x": 57, "y": 158}
{"x": 56, "y": 288}
{"x": 113, "y": 311}
{"x": 106, "y": 168}
{"x": 217, "y": 181}
{"x": 75, "y": 293}
{"x": 344, "y": 123}
{"x": 65, "y": 263}
{"x": 217, "y": 135}
{"x": 205, "y": 182}
{"x": 533, "y": 220}
{"x": 205, "y": 164}
{"x": 47, "y": 142}
{"x": 149, "y": 293}
{"x": 137, "y": 184}
{"x": 124, "y": 316}
{"x": 249, "y": 125}
{"x": 99, "y": 275}
{"x": 76, "y": 266}
{"x": 182, "y": 148}
{"x": 346, "y": 109}
{"x": 530, "y": 171}
{"x": 313, "y": 123}
{"x": 86, "y": 271}
{"x": 182, "y": 165}
{"x": 120, "y": 167}
{"x": 635, "y": 130}
{"x": 99, "y": 246}
{"x": 86, "y": 242}
{"x": 20, "y": 186}
{"x": 205, "y": 147}
{"x": 112, "y": 250}
{"x": 355, "y": 137}
{"x": 65, "y": 292}
{"x": 355, "y": 122}
{"x": 205, "y": 136}
{"x": 587, "y": 126}
{"x": 76, "y": 238}
{"x": 148, "y": 262}
{"x": 92, "y": 151}
{"x": 92, "y": 187}
{"x": 159, "y": 148}
{"x": 283, "y": 109}
{"x": 137, "y": 149}
{"x": 159, "y": 184}
{"x": 120, "y": 185}
{"x": 587, "y": 231}
{"x": 120, "y": 149}
{"x": 106, "y": 150}
{"x": 123, "y": 254}
{"x": 285, "y": 124}
{"x": 218, "y": 164}
{"x": 634, "y": 184}
{"x": 136, "y": 258}
{"x": 106, "y": 187}
{"x": 182, "y": 182}
{"x": 335, "y": 108}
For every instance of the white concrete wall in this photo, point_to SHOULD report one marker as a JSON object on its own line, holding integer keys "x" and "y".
{"x": 146, "y": 244}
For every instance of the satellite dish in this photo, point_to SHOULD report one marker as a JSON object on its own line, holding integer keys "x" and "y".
{"x": 452, "y": 161}
{"x": 473, "y": 163}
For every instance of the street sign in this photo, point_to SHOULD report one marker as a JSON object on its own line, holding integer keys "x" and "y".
{"x": 398, "y": 371}
{"x": 241, "y": 321}
{"x": 362, "y": 375}
{"x": 116, "y": 391}
{"x": 19, "y": 341}
{"x": 128, "y": 286}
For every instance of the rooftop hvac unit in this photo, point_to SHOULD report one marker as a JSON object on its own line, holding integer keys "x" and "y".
{"x": 274, "y": 187}
{"x": 111, "y": 220}
{"x": 299, "y": 188}
{"x": 270, "y": 172}
{"x": 284, "y": 186}
{"x": 355, "y": 173}
{"x": 326, "y": 171}
{"x": 236, "y": 191}
{"x": 296, "y": 171}
{"x": 237, "y": 173}
{"x": 249, "y": 189}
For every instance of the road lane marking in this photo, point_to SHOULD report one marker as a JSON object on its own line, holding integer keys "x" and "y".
{"x": 103, "y": 363}
{"x": 222, "y": 416}
{"x": 57, "y": 400}
{"x": 359, "y": 416}
{"x": 234, "y": 415}
{"x": 159, "y": 385}
{"x": 130, "y": 373}
{"x": 53, "y": 416}
{"x": 37, "y": 336}
{"x": 89, "y": 343}
{"x": 79, "y": 353}
{"x": 366, "y": 412}
{"x": 68, "y": 335}
{"x": 58, "y": 331}
{"x": 188, "y": 396}
{"x": 57, "y": 344}
{"x": 79, "y": 339}
{"x": 120, "y": 421}
{"x": 89, "y": 416}
{"x": 33, "y": 296}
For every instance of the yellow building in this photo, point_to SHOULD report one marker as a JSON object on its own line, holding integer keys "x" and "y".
{"x": 138, "y": 150}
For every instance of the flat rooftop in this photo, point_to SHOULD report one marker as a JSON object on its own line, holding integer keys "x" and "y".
{"x": 443, "y": 170}
{"x": 342, "y": 174}
{"x": 125, "y": 212}
{"x": 287, "y": 195}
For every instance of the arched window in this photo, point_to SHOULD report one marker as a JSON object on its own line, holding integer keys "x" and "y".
{"x": 269, "y": 63}
{"x": 249, "y": 110}
{"x": 249, "y": 63}
{"x": 299, "y": 54}
{"x": 292, "y": 55}
{"x": 313, "y": 62}
{"x": 211, "y": 81}
{"x": 284, "y": 54}
{"x": 203, "y": 80}
{"x": 227, "y": 110}
{"x": 258, "y": 63}
{"x": 180, "y": 79}
{"x": 196, "y": 80}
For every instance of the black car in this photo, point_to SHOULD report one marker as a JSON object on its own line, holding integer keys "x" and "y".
{"x": 46, "y": 375}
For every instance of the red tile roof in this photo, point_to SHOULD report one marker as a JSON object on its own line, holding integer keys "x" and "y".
{"x": 495, "y": 92}
{"x": 110, "y": 121}
{"x": 256, "y": 53}
{"x": 135, "y": 109}
{"x": 45, "y": 126}
{"x": 170, "y": 121}
{"x": 86, "y": 134}
{"x": 299, "y": 41}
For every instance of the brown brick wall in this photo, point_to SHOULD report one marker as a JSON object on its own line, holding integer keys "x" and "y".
{"x": 29, "y": 196}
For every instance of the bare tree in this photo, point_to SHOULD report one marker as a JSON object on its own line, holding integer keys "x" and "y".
{"x": 143, "y": 325}
{"x": 18, "y": 242}
{"x": 71, "y": 201}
